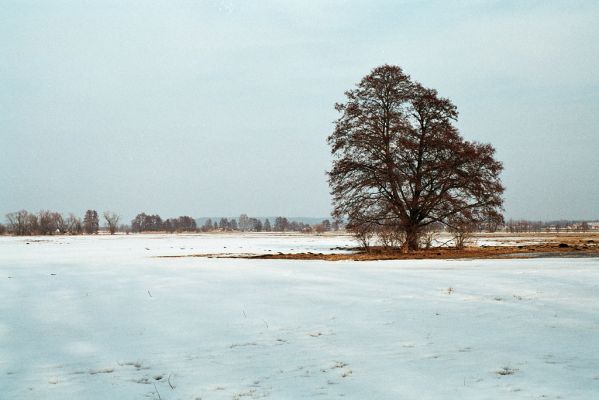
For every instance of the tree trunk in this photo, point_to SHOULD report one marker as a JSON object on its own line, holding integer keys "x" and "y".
{"x": 412, "y": 238}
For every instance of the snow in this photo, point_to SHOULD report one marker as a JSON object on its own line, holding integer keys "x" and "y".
{"x": 104, "y": 318}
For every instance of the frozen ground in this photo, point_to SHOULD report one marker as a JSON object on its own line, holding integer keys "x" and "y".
{"x": 101, "y": 318}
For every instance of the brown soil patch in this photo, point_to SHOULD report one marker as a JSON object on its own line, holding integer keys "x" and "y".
{"x": 569, "y": 247}
{"x": 442, "y": 253}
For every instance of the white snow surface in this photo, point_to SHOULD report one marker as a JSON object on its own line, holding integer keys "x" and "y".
{"x": 103, "y": 318}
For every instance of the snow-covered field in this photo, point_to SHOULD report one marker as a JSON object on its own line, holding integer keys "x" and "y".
{"x": 103, "y": 318}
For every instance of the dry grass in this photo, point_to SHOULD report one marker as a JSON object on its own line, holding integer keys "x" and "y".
{"x": 523, "y": 251}
{"x": 575, "y": 244}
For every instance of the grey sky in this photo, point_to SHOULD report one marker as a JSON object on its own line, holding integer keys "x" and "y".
{"x": 223, "y": 107}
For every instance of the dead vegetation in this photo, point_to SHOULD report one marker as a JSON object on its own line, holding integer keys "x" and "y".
{"x": 521, "y": 251}
{"x": 533, "y": 245}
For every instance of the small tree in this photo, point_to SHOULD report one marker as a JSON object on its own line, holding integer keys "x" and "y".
{"x": 112, "y": 221}
{"x": 125, "y": 228}
{"x": 267, "y": 227}
{"x": 281, "y": 224}
{"x": 186, "y": 224}
{"x": 429, "y": 235}
{"x": 46, "y": 225}
{"x": 59, "y": 223}
{"x": 244, "y": 223}
{"x": 256, "y": 225}
{"x": 33, "y": 227}
{"x": 319, "y": 228}
{"x": 224, "y": 224}
{"x": 73, "y": 225}
{"x": 335, "y": 225}
{"x": 208, "y": 225}
{"x": 462, "y": 228}
{"x": 390, "y": 236}
{"x": 170, "y": 225}
{"x": 91, "y": 222}
{"x": 363, "y": 232}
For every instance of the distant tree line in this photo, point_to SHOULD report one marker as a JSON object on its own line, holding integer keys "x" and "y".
{"x": 154, "y": 223}
{"x": 47, "y": 222}
{"x": 525, "y": 226}
{"x": 25, "y": 223}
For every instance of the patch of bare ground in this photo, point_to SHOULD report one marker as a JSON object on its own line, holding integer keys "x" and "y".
{"x": 524, "y": 251}
{"x": 548, "y": 245}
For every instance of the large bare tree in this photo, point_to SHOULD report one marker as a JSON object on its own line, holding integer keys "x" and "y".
{"x": 399, "y": 161}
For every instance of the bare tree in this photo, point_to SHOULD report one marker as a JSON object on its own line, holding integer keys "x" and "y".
{"x": 390, "y": 235}
{"x": 59, "y": 223}
{"x": 462, "y": 228}
{"x": 255, "y": 225}
{"x": 20, "y": 223}
{"x": 398, "y": 157}
{"x": 244, "y": 223}
{"x": 91, "y": 222}
{"x": 125, "y": 228}
{"x": 281, "y": 224}
{"x": 33, "y": 227}
{"x": 112, "y": 221}
{"x": 319, "y": 228}
{"x": 46, "y": 224}
{"x": 335, "y": 225}
{"x": 224, "y": 224}
{"x": 208, "y": 226}
{"x": 73, "y": 225}
{"x": 363, "y": 232}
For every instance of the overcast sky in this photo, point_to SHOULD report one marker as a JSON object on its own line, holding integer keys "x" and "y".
{"x": 223, "y": 107}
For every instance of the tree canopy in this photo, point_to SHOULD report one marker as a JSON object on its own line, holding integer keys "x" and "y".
{"x": 399, "y": 161}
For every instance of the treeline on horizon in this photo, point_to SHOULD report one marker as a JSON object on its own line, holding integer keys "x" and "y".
{"x": 526, "y": 226}
{"x": 45, "y": 222}
{"x": 24, "y": 223}
{"x": 154, "y": 223}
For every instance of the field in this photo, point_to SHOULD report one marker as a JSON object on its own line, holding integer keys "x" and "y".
{"x": 111, "y": 318}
